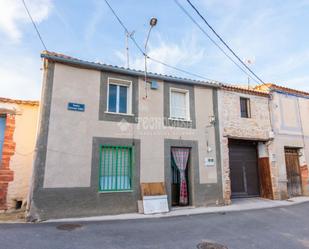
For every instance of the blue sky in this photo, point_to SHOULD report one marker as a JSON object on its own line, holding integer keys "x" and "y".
{"x": 274, "y": 34}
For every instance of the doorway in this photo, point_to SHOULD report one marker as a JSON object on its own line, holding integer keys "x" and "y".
{"x": 243, "y": 168}
{"x": 180, "y": 158}
{"x": 293, "y": 172}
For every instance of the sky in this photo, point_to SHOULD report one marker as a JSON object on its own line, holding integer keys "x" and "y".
{"x": 273, "y": 34}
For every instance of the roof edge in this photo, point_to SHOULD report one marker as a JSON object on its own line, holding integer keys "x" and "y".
{"x": 244, "y": 90}
{"x": 270, "y": 87}
{"x": 19, "y": 101}
{"x": 115, "y": 69}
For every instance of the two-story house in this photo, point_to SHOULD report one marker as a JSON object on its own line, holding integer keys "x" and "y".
{"x": 246, "y": 131}
{"x": 104, "y": 130}
{"x": 289, "y": 110}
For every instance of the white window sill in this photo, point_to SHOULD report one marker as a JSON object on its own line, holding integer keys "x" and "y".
{"x": 119, "y": 113}
{"x": 178, "y": 119}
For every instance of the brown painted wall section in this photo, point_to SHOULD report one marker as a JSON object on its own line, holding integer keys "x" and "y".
{"x": 8, "y": 150}
{"x": 304, "y": 179}
{"x": 266, "y": 190}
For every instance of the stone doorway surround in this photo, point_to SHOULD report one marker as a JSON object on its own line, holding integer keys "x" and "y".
{"x": 263, "y": 160}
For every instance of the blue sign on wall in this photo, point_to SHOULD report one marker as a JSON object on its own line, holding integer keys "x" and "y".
{"x": 76, "y": 107}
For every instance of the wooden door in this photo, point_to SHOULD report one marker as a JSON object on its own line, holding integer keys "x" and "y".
{"x": 293, "y": 172}
{"x": 266, "y": 189}
{"x": 243, "y": 169}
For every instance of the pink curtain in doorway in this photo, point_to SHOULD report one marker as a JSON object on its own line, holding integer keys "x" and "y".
{"x": 181, "y": 156}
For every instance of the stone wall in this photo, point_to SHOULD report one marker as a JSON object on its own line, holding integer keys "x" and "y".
{"x": 257, "y": 127}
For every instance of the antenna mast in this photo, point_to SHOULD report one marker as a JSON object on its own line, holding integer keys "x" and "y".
{"x": 128, "y": 35}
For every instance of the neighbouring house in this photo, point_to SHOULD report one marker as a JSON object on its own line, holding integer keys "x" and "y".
{"x": 289, "y": 110}
{"x": 104, "y": 131}
{"x": 246, "y": 133}
{"x": 18, "y": 124}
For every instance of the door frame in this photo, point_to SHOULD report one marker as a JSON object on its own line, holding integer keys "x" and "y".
{"x": 193, "y": 173}
{"x": 188, "y": 175}
{"x": 299, "y": 170}
{"x": 243, "y": 141}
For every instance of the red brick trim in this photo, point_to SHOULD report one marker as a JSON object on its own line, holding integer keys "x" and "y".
{"x": 8, "y": 150}
{"x": 304, "y": 178}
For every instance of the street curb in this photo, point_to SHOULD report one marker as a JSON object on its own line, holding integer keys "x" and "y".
{"x": 174, "y": 213}
{"x": 191, "y": 211}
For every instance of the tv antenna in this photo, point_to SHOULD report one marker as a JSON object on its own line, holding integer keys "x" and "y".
{"x": 128, "y": 35}
{"x": 249, "y": 62}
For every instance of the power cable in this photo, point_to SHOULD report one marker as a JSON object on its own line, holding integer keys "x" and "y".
{"x": 181, "y": 70}
{"x": 148, "y": 57}
{"x": 225, "y": 44}
{"x": 213, "y": 41}
{"x": 34, "y": 25}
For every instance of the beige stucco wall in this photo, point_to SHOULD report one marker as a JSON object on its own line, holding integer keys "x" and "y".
{"x": 70, "y": 133}
{"x": 21, "y": 162}
{"x": 290, "y": 115}
{"x": 232, "y": 125}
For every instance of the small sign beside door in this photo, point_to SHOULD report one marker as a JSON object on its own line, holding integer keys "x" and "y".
{"x": 272, "y": 157}
{"x": 209, "y": 161}
{"x": 76, "y": 107}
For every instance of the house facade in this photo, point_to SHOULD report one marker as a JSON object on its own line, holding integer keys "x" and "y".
{"x": 290, "y": 148}
{"x": 246, "y": 133}
{"x": 18, "y": 123}
{"x": 104, "y": 131}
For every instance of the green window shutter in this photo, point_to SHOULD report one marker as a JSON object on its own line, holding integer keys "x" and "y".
{"x": 115, "y": 168}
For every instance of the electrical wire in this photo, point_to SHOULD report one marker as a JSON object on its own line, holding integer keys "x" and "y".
{"x": 34, "y": 25}
{"x": 150, "y": 58}
{"x": 225, "y": 44}
{"x": 181, "y": 70}
{"x": 214, "y": 42}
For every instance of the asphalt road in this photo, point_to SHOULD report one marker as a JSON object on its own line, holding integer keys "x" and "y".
{"x": 277, "y": 228}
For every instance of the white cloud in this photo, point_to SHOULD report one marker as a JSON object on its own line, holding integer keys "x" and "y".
{"x": 13, "y": 15}
{"x": 183, "y": 54}
{"x": 96, "y": 18}
{"x": 264, "y": 31}
{"x": 301, "y": 83}
{"x": 20, "y": 77}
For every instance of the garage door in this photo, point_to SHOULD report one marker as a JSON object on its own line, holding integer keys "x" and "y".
{"x": 243, "y": 168}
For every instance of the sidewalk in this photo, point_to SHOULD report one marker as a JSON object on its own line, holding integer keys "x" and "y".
{"x": 12, "y": 217}
{"x": 237, "y": 205}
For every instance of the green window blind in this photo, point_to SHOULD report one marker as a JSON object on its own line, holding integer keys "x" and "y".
{"x": 115, "y": 168}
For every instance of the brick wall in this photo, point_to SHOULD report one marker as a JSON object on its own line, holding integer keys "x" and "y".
{"x": 8, "y": 150}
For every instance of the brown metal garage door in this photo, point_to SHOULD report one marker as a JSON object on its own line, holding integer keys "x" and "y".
{"x": 243, "y": 168}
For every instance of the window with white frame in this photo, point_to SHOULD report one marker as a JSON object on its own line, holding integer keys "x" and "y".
{"x": 119, "y": 96}
{"x": 179, "y": 104}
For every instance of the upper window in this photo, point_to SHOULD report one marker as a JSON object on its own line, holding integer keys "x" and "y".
{"x": 245, "y": 111}
{"x": 119, "y": 96}
{"x": 179, "y": 104}
{"x": 2, "y": 130}
{"x": 116, "y": 168}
